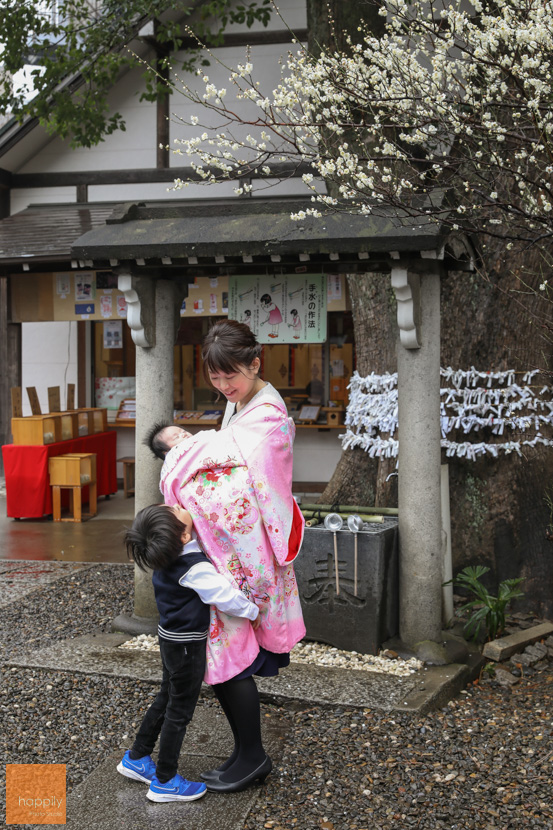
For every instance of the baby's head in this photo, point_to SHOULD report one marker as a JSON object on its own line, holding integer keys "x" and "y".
{"x": 163, "y": 436}
{"x": 157, "y": 536}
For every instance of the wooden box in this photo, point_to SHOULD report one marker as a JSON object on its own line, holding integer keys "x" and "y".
{"x": 37, "y": 430}
{"x": 69, "y": 425}
{"x": 334, "y": 415}
{"x": 97, "y": 419}
{"x": 72, "y": 470}
{"x": 90, "y": 421}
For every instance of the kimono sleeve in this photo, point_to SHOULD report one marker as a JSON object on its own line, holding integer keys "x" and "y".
{"x": 205, "y": 451}
{"x": 265, "y": 440}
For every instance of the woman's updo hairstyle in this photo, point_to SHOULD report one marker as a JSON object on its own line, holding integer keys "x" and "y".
{"x": 228, "y": 346}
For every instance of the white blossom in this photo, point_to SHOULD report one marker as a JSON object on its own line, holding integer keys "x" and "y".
{"x": 451, "y": 95}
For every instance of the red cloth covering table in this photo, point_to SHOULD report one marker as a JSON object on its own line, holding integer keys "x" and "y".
{"x": 28, "y": 491}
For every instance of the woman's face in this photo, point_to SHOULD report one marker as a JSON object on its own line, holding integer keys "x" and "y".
{"x": 237, "y": 385}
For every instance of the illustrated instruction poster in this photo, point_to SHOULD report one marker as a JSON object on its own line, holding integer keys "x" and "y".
{"x": 281, "y": 309}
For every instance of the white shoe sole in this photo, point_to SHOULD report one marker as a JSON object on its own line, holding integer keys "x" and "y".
{"x": 160, "y": 798}
{"x": 129, "y": 773}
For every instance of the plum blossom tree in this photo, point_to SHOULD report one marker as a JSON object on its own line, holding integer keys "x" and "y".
{"x": 447, "y": 115}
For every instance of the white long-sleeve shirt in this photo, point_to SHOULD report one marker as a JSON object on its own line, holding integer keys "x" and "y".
{"x": 214, "y": 589}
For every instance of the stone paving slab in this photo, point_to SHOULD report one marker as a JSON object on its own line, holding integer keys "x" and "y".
{"x": 421, "y": 691}
{"x": 108, "y": 801}
{"x": 18, "y": 578}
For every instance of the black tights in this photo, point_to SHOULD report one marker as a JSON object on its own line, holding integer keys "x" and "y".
{"x": 239, "y": 700}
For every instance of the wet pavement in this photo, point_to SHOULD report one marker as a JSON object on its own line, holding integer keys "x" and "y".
{"x": 99, "y": 539}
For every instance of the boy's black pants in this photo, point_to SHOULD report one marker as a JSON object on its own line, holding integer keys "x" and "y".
{"x": 173, "y": 707}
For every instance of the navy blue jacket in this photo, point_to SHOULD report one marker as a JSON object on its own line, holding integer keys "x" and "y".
{"x": 183, "y": 616}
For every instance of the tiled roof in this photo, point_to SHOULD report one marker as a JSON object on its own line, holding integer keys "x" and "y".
{"x": 259, "y": 228}
{"x": 46, "y": 232}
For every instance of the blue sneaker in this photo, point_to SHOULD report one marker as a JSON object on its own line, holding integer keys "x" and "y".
{"x": 177, "y": 789}
{"x": 143, "y": 769}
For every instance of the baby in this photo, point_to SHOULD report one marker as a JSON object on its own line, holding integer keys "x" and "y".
{"x": 163, "y": 436}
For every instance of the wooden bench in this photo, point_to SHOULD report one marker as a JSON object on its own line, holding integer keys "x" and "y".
{"x": 128, "y": 474}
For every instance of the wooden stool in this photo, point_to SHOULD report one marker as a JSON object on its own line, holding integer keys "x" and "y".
{"x": 73, "y": 472}
{"x": 128, "y": 475}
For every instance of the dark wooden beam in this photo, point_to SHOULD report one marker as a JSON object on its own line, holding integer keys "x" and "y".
{"x": 10, "y": 362}
{"x": 145, "y": 176}
{"x": 5, "y": 178}
{"x": 81, "y": 363}
{"x": 162, "y": 120}
{"x": 249, "y": 38}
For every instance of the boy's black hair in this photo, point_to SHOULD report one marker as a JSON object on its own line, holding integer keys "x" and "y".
{"x": 154, "y": 441}
{"x": 155, "y": 539}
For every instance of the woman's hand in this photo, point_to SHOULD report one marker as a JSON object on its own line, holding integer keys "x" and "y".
{"x": 257, "y": 622}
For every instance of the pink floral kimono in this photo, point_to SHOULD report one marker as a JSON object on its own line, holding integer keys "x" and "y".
{"x": 237, "y": 484}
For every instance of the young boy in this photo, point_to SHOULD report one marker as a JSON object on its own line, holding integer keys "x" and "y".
{"x": 163, "y": 436}
{"x": 185, "y": 584}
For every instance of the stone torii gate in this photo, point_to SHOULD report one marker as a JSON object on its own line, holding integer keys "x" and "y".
{"x": 155, "y": 249}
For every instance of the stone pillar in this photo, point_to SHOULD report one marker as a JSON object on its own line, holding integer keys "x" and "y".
{"x": 153, "y": 319}
{"x": 419, "y": 455}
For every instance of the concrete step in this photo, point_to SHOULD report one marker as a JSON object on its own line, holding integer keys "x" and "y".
{"x": 107, "y": 800}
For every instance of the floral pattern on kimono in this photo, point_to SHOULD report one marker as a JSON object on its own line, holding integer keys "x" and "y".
{"x": 237, "y": 484}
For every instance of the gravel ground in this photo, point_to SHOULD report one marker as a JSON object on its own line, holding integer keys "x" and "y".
{"x": 485, "y": 760}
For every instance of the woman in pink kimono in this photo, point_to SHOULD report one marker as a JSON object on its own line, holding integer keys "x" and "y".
{"x": 237, "y": 484}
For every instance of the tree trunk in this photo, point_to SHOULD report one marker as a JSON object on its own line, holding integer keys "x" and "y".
{"x": 499, "y": 514}
{"x": 359, "y": 479}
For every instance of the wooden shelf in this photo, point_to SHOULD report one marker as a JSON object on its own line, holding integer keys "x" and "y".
{"x": 199, "y": 418}
{"x": 126, "y": 414}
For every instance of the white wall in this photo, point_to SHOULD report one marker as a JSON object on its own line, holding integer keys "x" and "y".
{"x": 134, "y": 148}
{"x": 316, "y": 454}
{"x": 49, "y": 358}
{"x": 21, "y": 199}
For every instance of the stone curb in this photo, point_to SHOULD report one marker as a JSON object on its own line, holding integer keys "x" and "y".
{"x": 299, "y": 684}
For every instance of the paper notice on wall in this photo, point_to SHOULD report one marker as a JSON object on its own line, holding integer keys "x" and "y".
{"x": 63, "y": 285}
{"x": 113, "y": 334}
{"x": 206, "y": 296}
{"x": 106, "y": 305}
{"x": 122, "y": 307}
{"x": 85, "y": 286}
{"x": 334, "y": 287}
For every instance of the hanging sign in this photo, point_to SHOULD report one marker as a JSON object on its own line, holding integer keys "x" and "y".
{"x": 287, "y": 308}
